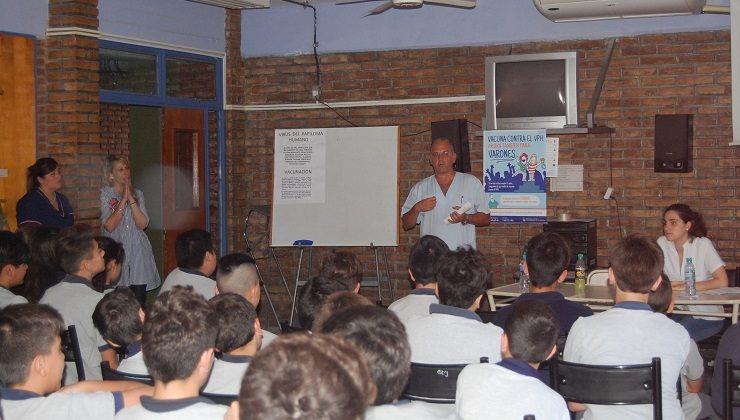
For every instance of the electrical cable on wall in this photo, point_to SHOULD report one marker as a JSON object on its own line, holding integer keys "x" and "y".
{"x": 609, "y": 190}
{"x": 316, "y": 89}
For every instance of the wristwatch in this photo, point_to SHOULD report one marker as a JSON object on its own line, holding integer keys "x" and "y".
{"x": 465, "y": 219}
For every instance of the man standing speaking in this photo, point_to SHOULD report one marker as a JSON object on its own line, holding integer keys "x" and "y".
{"x": 448, "y": 204}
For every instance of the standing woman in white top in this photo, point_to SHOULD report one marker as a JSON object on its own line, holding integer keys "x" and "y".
{"x": 124, "y": 218}
{"x": 684, "y": 236}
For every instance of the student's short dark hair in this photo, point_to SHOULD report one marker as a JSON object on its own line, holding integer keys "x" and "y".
{"x": 335, "y": 302}
{"x": 26, "y": 331}
{"x": 382, "y": 339}
{"x": 235, "y": 319}
{"x": 113, "y": 252}
{"x": 177, "y": 330}
{"x": 342, "y": 267}
{"x": 308, "y": 377}
{"x": 424, "y": 258}
{"x": 227, "y": 266}
{"x": 191, "y": 247}
{"x": 636, "y": 263}
{"x": 116, "y": 316}
{"x": 13, "y": 250}
{"x": 313, "y": 294}
{"x": 462, "y": 277}
{"x": 548, "y": 255}
{"x": 532, "y": 329}
{"x": 660, "y": 299}
{"x": 73, "y": 245}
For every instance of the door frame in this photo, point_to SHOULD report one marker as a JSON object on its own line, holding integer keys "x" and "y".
{"x": 163, "y": 101}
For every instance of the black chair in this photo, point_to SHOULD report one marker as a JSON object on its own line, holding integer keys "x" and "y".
{"x": 733, "y": 277}
{"x": 115, "y": 375}
{"x": 731, "y": 381}
{"x": 609, "y": 385}
{"x": 220, "y": 398}
{"x": 433, "y": 383}
{"x": 71, "y": 350}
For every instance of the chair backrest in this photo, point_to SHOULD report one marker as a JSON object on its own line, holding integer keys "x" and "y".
{"x": 433, "y": 383}
{"x": 609, "y": 385}
{"x": 71, "y": 350}
{"x": 731, "y": 382}
{"x": 599, "y": 277}
{"x": 115, "y": 375}
{"x": 220, "y": 398}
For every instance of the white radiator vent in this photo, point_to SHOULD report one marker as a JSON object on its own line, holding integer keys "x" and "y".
{"x": 575, "y": 10}
{"x": 236, "y": 4}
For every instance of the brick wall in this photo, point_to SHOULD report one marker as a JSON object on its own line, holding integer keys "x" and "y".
{"x": 69, "y": 116}
{"x": 114, "y": 129}
{"x": 651, "y": 74}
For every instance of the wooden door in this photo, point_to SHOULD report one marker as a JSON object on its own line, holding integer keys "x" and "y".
{"x": 183, "y": 162}
{"x": 17, "y": 119}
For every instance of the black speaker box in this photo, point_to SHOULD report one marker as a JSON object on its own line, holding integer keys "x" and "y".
{"x": 673, "y": 138}
{"x": 581, "y": 234}
{"x": 457, "y": 132}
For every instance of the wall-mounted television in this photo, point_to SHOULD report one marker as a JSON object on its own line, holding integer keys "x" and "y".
{"x": 531, "y": 91}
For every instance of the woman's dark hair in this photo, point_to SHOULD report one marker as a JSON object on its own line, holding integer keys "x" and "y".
{"x": 41, "y": 168}
{"x": 698, "y": 228}
{"x": 113, "y": 252}
{"x": 43, "y": 269}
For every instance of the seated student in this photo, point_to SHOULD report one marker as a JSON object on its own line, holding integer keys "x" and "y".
{"x": 302, "y": 376}
{"x": 106, "y": 280}
{"x": 335, "y": 302}
{"x": 312, "y": 296}
{"x": 31, "y": 367}
{"x": 43, "y": 267}
{"x": 196, "y": 262}
{"x": 238, "y": 274}
{"x": 381, "y": 338}
{"x": 342, "y": 267}
{"x": 547, "y": 266}
{"x": 119, "y": 318}
{"x": 75, "y": 298}
{"x": 661, "y": 301}
{"x": 630, "y": 332}
{"x": 511, "y": 388}
{"x": 452, "y": 332}
{"x": 179, "y": 335}
{"x": 14, "y": 257}
{"x": 239, "y": 338}
{"x": 729, "y": 348}
{"x": 423, "y": 260}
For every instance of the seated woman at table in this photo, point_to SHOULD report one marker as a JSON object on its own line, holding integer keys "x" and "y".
{"x": 43, "y": 204}
{"x": 684, "y": 236}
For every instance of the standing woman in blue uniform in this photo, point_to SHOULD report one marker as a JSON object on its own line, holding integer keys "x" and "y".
{"x": 43, "y": 204}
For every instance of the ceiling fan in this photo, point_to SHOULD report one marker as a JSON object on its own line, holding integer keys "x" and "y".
{"x": 411, "y": 4}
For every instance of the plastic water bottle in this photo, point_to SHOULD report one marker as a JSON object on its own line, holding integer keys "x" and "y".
{"x": 689, "y": 277}
{"x": 523, "y": 277}
{"x": 580, "y": 280}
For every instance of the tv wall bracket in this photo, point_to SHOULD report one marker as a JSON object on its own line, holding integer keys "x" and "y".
{"x": 599, "y": 83}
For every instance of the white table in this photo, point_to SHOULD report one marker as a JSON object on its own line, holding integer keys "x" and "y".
{"x": 602, "y": 298}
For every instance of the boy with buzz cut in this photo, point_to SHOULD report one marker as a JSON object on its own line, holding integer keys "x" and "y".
{"x": 547, "y": 265}
{"x": 423, "y": 261}
{"x": 14, "y": 257}
{"x": 452, "y": 332}
{"x": 31, "y": 368}
{"x": 630, "y": 332}
{"x": 237, "y": 273}
{"x": 178, "y": 339}
{"x": 511, "y": 388}
{"x": 75, "y": 298}
{"x": 196, "y": 262}
{"x": 119, "y": 318}
{"x": 239, "y": 338}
